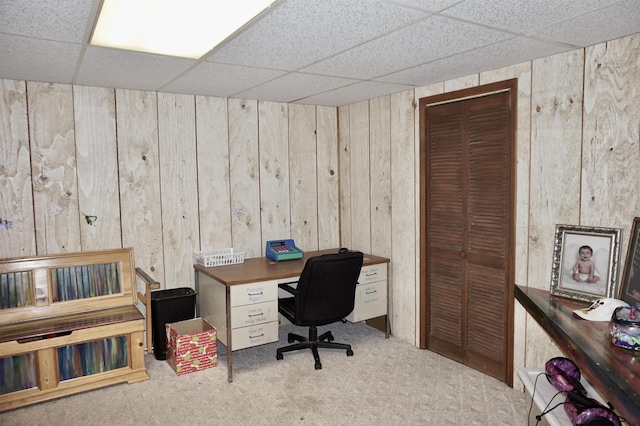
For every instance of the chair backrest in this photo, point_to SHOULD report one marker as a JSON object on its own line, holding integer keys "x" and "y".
{"x": 327, "y": 288}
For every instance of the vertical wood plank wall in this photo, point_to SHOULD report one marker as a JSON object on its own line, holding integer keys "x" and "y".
{"x": 97, "y": 163}
{"x": 170, "y": 174}
{"x": 577, "y": 163}
{"x": 88, "y": 168}
{"x": 16, "y": 188}
{"x": 303, "y": 180}
{"x": 139, "y": 176}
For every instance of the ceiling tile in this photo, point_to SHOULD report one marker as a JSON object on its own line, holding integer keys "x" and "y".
{"x": 354, "y": 93}
{"x": 301, "y": 32}
{"x": 596, "y": 27}
{"x": 521, "y": 16}
{"x": 59, "y": 20}
{"x": 304, "y": 50}
{"x": 129, "y": 70}
{"x": 430, "y": 6}
{"x": 39, "y": 60}
{"x": 497, "y": 55}
{"x": 424, "y": 41}
{"x": 209, "y": 78}
{"x": 294, "y": 86}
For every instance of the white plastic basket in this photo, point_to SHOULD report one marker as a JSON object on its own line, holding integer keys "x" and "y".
{"x": 218, "y": 257}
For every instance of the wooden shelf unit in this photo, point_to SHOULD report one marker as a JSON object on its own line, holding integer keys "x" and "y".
{"x": 613, "y": 371}
{"x": 68, "y": 323}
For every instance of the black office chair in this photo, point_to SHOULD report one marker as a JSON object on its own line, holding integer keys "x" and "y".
{"x": 325, "y": 294}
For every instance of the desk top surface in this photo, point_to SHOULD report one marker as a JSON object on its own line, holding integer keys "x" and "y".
{"x": 262, "y": 268}
{"x": 613, "y": 371}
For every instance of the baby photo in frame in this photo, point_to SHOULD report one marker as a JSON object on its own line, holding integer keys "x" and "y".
{"x": 630, "y": 284}
{"x": 585, "y": 262}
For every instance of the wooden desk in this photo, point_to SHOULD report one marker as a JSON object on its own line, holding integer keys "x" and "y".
{"x": 613, "y": 371}
{"x": 241, "y": 300}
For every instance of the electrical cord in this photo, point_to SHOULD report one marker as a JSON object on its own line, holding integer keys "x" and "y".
{"x": 546, "y": 408}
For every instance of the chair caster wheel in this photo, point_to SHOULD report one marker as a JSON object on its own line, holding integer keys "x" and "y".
{"x": 318, "y": 366}
{"x": 279, "y": 356}
{"x": 349, "y": 352}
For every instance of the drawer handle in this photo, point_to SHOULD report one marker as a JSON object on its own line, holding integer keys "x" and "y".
{"x": 256, "y": 315}
{"x": 256, "y": 294}
{"x": 371, "y": 292}
{"x": 372, "y": 274}
{"x": 256, "y": 337}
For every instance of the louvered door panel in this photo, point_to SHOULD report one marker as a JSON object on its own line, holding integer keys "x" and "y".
{"x": 445, "y": 230}
{"x": 468, "y": 221}
{"x": 445, "y": 180}
{"x": 488, "y": 232}
{"x": 486, "y": 344}
{"x": 488, "y": 175}
{"x": 446, "y": 296}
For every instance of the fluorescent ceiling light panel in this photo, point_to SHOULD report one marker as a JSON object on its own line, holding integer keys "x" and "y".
{"x": 185, "y": 28}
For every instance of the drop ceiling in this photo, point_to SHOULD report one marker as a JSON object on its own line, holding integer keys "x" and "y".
{"x": 320, "y": 52}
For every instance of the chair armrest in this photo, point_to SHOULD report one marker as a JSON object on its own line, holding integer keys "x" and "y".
{"x": 153, "y": 284}
{"x": 288, "y": 288}
{"x": 145, "y": 299}
{"x": 150, "y": 284}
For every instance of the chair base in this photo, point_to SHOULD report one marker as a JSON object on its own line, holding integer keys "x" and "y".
{"x": 313, "y": 342}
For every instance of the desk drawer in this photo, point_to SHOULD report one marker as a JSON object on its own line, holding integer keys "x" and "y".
{"x": 246, "y": 337}
{"x": 253, "y": 314}
{"x": 373, "y": 273}
{"x": 371, "y": 301}
{"x": 259, "y": 292}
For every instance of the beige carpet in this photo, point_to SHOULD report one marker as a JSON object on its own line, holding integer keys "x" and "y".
{"x": 386, "y": 382}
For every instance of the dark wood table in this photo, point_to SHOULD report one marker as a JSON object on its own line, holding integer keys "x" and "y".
{"x": 613, "y": 371}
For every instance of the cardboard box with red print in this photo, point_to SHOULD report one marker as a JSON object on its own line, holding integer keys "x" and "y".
{"x": 191, "y": 346}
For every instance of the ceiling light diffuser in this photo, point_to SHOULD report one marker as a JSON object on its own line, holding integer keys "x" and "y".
{"x": 184, "y": 28}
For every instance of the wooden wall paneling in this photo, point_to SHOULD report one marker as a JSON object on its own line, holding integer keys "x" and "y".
{"x": 97, "y": 167}
{"x": 244, "y": 176}
{"x": 53, "y": 167}
{"x": 380, "y": 174}
{"x": 462, "y": 82}
{"x": 139, "y": 167}
{"x": 273, "y": 133}
{"x": 214, "y": 199}
{"x": 344, "y": 160}
{"x": 523, "y": 154}
{"x": 328, "y": 170}
{"x": 17, "y": 236}
{"x": 611, "y": 136}
{"x": 178, "y": 186}
{"x": 303, "y": 176}
{"x": 556, "y": 146}
{"x": 403, "y": 280}
{"x": 360, "y": 176}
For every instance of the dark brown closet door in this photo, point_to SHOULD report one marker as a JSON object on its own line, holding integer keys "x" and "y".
{"x": 467, "y": 215}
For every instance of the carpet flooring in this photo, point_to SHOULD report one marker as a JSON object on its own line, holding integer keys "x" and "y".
{"x": 386, "y": 382}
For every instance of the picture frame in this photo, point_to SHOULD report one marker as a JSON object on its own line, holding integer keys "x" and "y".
{"x": 630, "y": 283}
{"x": 597, "y": 276}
